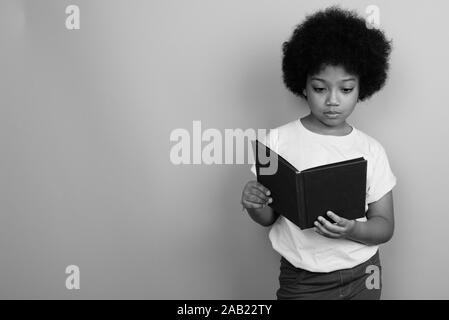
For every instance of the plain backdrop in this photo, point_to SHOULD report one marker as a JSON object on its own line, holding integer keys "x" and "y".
{"x": 85, "y": 121}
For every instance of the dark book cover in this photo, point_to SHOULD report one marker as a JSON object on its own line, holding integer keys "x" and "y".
{"x": 302, "y": 196}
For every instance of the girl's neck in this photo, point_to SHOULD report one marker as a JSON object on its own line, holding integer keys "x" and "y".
{"x": 314, "y": 125}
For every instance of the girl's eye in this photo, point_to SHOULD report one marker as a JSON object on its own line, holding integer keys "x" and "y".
{"x": 347, "y": 90}
{"x": 318, "y": 89}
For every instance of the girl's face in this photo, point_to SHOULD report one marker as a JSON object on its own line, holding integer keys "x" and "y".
{"x": 332, "y": 95}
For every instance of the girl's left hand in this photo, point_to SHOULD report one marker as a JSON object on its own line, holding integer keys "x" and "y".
{"x": 340, "y": 229}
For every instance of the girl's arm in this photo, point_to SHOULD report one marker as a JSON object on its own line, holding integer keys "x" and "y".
{"x": 380, "y": 225}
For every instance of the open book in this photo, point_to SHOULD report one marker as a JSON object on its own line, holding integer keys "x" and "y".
{"x": 302, "y": 196}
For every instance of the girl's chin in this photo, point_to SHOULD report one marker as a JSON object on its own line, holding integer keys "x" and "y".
{"x": 333, "y": 120}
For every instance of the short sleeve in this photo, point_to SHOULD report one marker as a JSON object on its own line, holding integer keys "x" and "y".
{"x": 270, "y": 140}
{"x": 382, "y": 179}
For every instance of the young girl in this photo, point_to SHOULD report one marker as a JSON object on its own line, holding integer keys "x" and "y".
{"x": 332, "y": 60}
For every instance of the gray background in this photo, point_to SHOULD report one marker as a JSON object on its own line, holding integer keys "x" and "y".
{"x": 85, "y": 120}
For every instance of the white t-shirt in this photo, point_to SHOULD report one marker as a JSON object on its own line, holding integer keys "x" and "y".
{"x": 304, "y": 149}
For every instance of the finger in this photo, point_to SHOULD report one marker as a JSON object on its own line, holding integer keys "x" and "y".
{"x": 266, "y": 200}
{"x": 252, "y": 205}
{"x": 317, "y": 230}
{"x": 323, "y": 231}
{"x": 326, "y": 234}
{"x": 254, "y": 198}
{"x": 256, "y": 201}
{"x": 330, "y": 226}
{"x": 262, "y": 188}
{"x": 259, "y": 194}
{"x": 338, "y": 220}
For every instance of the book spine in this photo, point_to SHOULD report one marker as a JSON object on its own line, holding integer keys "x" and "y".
{"x": 302, "y": 214}
{"x": 257, "y": 159}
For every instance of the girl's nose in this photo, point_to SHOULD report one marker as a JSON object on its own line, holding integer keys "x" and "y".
{"x": 332, "y": 99}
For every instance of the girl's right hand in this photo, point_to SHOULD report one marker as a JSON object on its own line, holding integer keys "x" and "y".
{"x": 255, "y": 196}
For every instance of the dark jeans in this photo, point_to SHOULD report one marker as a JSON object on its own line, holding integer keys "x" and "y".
{"x": 364, "y": 281}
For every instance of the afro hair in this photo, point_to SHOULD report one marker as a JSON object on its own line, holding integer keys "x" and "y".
{"x": 337, "y": 37}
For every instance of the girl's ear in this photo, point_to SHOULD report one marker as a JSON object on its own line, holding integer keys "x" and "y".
{"x": 304, "y": 92}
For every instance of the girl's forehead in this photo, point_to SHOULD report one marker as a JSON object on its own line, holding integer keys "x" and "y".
{"x": 333, "y": 73}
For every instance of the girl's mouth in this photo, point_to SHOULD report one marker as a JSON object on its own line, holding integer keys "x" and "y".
{"x": 331, "y": 115}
